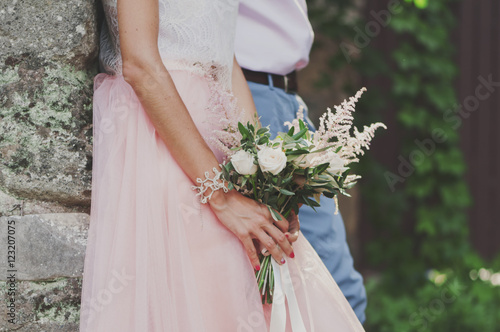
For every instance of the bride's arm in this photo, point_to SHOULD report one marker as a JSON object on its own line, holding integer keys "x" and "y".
{"x": 143, "y": 69}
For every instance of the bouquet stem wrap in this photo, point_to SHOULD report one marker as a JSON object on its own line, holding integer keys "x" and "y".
{"x": 283, "y": 290}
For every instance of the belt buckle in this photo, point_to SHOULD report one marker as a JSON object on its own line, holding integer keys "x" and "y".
{"x": 285, "y": 79}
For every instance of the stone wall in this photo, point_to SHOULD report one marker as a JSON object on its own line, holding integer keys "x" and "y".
{"x": 48, "y": 58}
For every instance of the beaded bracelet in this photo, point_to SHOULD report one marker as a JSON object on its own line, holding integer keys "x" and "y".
{"x": 210, "y": 183}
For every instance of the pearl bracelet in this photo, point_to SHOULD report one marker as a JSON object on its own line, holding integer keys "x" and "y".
{"x": 210, "y": 183}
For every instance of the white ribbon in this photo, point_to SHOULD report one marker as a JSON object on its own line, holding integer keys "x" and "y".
{"x": 283, "y": 288}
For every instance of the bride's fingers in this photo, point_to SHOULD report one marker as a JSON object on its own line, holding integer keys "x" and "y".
{"x": 292, "y": 236}
{"x": 251, "y": 251}
{"x": 281, "y": 239}
{"x": 271, "y": 246}
{"x": 293, "y": 231}
{"x": 261, "y": 249}
{"x": 281, "y": 224}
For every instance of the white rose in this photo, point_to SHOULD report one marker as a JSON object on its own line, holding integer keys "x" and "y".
{"x": 243, "y": 163}
{"x": 271, "y": 160}
{"x": 306, "y": 160}
{"x": 336, "y": 166}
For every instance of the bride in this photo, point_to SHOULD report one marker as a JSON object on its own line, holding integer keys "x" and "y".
{"x": 157, "y": 259}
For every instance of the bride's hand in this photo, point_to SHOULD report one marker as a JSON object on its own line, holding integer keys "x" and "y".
{"x": 292, "y": 234}
{"x": 249, "y": 220}
{"x": 294, "y": 226}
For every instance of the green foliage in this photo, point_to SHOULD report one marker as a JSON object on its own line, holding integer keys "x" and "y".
{"x": 419, "y": 219}
{"x": 455, "y": 301}
{"x": 422, "y": 90}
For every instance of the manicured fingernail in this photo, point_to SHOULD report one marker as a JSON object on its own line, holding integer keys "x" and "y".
{"x": 283, "y": 261}
{"x": 257, "y": 267}
{"x": 292, "y": 255}
{"x": 287, "y": 236}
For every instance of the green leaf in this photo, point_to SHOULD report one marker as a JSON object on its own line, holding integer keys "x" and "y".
{"x": 286, "y": 181}
{"x": 321, "y": 168}
{"x": 243, "y": 130}
{"x": 250, "y": 127}
{"x": 297, "y": 152}
{"x": 310, "y": 202}
{"x": 302, "y": 126}
{"x": 274, "y": 214}
{"x": 286, "y": 192}
{"x": 301, "y": 133}
{"x": 262, "y": 131}
{"x": 263, "y": 140}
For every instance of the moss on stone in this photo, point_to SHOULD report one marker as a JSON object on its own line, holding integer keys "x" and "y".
{"x": 48, "y": 302}
{"x": 51, "y": 103}
{"x": 8, "y": 76}
{"x": 45, "y": 117}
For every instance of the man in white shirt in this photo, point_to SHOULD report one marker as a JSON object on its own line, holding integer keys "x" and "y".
{"x": 273, "y": 40}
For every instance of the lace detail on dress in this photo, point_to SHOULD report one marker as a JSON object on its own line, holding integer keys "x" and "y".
{"x": 223, "y": 117}
{"x": 223, "y": 113}
{"x": 190, "y": 31}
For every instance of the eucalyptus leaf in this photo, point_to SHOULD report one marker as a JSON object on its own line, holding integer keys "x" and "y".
{"x": 262, "y": 131}
{"x": 274, "y": 214}
{"x": 297, "y": 152}
{"x": 286, "y": 192}
{"x": 243, "y": 130}
{"x": 302, "y": 126}
{"x": 301, "y": 133}
{"x": 321, "y": 168}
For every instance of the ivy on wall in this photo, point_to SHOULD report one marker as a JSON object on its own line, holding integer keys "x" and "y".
{"x": 426, "y": 271}
{"x": 431, "y": 167}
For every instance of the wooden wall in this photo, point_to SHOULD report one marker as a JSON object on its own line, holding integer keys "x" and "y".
{"x": 477, "y": 38}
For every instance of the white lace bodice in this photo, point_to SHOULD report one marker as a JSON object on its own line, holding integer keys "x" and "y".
{"x": 194, "y": 35}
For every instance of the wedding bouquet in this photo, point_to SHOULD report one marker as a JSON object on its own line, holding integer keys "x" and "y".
{"x": 296, "y": 167}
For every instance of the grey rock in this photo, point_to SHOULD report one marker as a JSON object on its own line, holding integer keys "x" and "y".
{"x": 42, "y": 306}
{"x": 47, "y": 246}
{"x": 48, "y": 58}
{"x": 51, "y": 31}
{"x": 11, "y": 205}
{"x": 45, "y": 134}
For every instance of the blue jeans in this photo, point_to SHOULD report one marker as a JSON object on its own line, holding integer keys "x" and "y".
{"x": 323, "y": 229}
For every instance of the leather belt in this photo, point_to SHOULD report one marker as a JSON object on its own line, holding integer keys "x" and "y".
{"x": 286, "y": 82}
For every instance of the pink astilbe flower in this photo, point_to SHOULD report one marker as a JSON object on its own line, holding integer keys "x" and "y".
{"x": 295, "y": 122}
{"x": 335, "y": 131}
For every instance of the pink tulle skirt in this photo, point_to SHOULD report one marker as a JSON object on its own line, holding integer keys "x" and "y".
{"x": 157, "y": 260}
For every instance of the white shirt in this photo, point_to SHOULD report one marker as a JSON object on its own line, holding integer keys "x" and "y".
{"x": 273, "y": 36}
